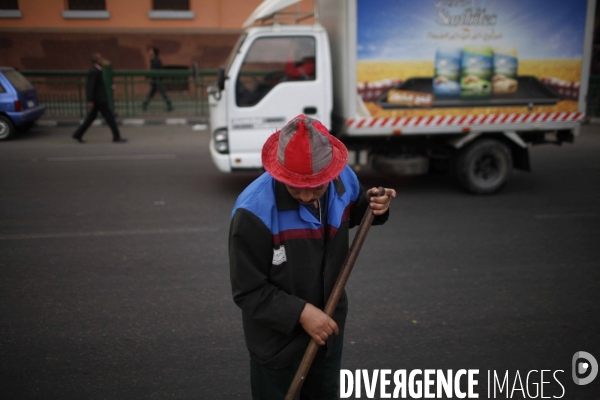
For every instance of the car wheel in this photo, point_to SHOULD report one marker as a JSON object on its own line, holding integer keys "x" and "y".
{"x": 7, "y": 129}
{"x": 484, "y": 166}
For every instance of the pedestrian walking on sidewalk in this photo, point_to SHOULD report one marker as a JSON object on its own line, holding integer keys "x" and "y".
{"x": 97, "y": 99}
{"x": 155, "y": 83}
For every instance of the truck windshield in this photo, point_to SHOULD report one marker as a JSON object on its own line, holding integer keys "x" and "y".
{"x": 234, "y": 52}
{"x": 271, "y": 61}
{"x": 19, "y": 82}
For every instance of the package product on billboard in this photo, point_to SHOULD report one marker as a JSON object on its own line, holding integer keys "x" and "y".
{"x": 476, "y": 72}
{"x": 506, "y": 64}
{"x": 446, "y": 81}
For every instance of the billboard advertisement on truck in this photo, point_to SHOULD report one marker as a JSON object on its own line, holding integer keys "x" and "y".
{"x": 470, "y": 57}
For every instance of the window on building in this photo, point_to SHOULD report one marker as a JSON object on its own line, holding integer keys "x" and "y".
{"x": 86, "y": 9}
{"x": 273, "y": 61}
{"x": 9, "y": 4}
{"x": 87, "y": 5}
{"x": 178, "y": 5}
{"x": 10, "y": 9}
{"x": 171, "y": 9}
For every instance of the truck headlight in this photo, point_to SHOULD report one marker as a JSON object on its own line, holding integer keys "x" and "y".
{"x": 221, "y": 144}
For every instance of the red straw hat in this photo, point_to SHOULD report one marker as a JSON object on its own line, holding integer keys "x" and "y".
{"x": 304, "y": 154}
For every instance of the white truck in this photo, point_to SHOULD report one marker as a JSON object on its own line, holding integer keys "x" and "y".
{"x": 409, "y": 85}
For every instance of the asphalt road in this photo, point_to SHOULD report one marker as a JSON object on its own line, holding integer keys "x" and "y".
{"x": 114, "y": 271}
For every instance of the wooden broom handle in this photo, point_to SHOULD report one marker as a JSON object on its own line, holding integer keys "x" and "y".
{"x": 334, "y": 298}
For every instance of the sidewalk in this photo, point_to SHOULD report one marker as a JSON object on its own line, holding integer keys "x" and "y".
{"x": 593, "y": 120}
{"x": 150, "y": 120}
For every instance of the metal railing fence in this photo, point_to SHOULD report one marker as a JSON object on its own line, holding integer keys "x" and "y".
{"x": 63, "y": 92}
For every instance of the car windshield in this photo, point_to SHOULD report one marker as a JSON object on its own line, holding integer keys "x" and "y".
{"x": 18, "y": 81}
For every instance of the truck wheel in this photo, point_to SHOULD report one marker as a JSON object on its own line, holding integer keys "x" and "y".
{"x": 7, "y": 129}
{"x": 484, "y": 166}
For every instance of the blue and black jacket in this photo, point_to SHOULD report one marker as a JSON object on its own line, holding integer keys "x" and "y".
{"x": 281, "y": 257}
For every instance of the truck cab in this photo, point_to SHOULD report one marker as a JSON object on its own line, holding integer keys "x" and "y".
{"x": 273, "y": 74}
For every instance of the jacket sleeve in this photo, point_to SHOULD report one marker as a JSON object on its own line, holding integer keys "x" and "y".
{"x": 250, "y": 259}
{"x": 360, "y": 206}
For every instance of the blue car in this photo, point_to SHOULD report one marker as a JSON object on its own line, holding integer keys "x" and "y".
{"x": 19, "y": 106}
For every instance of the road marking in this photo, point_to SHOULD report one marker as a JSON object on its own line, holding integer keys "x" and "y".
{"x": 134, "y": 121}
{"x": 573, "y": 215}
{"x": 176, "y": 121}
{"x": 116, "y": 158}
{"x": 132, "y": 232}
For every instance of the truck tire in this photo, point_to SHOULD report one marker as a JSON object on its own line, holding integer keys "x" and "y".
{"x": 7, "y": 129}
{"x": 484, "y": 166}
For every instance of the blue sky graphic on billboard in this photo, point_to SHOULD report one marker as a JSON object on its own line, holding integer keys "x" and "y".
{"x": 412, "y": 30}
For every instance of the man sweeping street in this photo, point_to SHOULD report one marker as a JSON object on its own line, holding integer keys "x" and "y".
{"x": 288, "y": 240}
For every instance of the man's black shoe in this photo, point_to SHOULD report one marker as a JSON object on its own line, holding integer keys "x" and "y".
{"x": 80, "y": 140}
{"x": 120, "y": 140}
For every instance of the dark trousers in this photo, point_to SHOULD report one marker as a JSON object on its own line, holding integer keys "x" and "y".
{"x": 92, "y": 114}
{"x": 161, "y": 89}
{"x": 322, "y": 381}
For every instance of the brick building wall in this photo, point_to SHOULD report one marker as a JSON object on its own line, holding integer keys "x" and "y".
{"x": 71, "y": 50}
{"x": 42, "y": 36}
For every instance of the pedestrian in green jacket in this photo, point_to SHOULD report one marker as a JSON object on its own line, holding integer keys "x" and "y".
{"x": 156, "y": 83}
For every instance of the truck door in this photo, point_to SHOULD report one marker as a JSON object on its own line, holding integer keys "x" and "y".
{"x": 279, "y": 78}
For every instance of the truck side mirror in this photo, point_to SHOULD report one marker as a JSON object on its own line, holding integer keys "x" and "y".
{"x": 221, "y": 78}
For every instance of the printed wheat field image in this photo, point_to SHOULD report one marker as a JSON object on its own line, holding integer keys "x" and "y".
{"x": 568, "y": 70}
